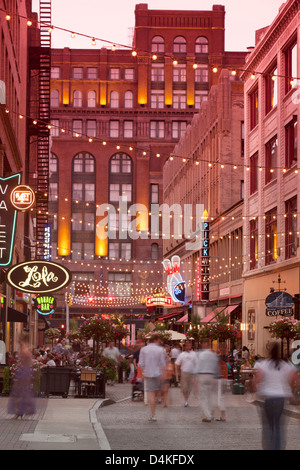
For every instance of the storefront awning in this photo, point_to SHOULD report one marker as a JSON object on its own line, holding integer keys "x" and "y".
{"x": 183, "y": 319}
{"x": 211, "y": 317}
{"x": 15, "y": 316}
{"x": 170, "y": 315}
{"x": 228, "y": 310}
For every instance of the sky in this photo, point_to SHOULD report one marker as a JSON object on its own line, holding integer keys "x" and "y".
{"x": 112, "y": 20}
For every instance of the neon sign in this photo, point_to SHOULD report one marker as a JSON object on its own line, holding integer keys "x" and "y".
{"x": 175, "y": 283}
{"x": 8, "y": 218}
{"x": 45, "y": 304}
{"x": 202, "y": 284}
{"x": 38, "y": 277}
{"x": 22, "y": 197}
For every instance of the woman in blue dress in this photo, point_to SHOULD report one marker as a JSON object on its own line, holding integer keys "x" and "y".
{"x": 22, "y": 399}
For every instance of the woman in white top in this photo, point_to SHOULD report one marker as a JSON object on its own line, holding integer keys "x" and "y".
{"x": 273, "y": 380}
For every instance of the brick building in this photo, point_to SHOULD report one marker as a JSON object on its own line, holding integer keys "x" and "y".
{"x": 271, "y": 225}
{"x": 116, "y": 115}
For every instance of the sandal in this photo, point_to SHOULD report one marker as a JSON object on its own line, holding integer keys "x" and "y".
{"x": 220, "y": 419}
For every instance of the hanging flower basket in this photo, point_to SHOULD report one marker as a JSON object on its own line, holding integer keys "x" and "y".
{"x": 284, "y": 328}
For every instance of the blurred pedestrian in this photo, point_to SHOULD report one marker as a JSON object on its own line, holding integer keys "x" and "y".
{"x": 152, "y": 363}
{"x": 207, "y": 368}
{"x": 274, "y": 378}
{"x": 186, "y": 364}
{"x": 22, "y": 400}
{"x": 112, "y": 352}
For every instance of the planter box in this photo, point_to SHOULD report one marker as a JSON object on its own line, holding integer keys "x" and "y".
{"x": 55, "y": 381}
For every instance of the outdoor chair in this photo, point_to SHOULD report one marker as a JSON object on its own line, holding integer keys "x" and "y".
{"x": 87, "y": 382}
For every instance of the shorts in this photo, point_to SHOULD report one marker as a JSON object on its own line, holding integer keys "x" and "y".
{"x": 187, "y": 382}
{"x": 152, "y": 384}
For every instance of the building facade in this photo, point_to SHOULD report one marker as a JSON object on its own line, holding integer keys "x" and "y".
{"x": 116, "y": 115}
{"x": 272, "y": 185}
{"x": 207, "y": 172}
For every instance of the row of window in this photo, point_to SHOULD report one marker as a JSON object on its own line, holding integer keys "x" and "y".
{"x": 271, "y": 79}
{"x": 119, "y": 129}
{"x": 271, "y": 240}
{"x": 271, "y": 156}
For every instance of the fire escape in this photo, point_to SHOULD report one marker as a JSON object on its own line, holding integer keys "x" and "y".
{"x": 43, "y": 138}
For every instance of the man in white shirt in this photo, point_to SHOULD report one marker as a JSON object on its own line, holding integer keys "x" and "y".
{"x": 152, "y": 363}
{"x": 186, "y": 363}
{"x": 208, "y": 369}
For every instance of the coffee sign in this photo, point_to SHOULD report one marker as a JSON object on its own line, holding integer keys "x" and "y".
{"x": 38, "y": 277}
{"x": 279, "y": 303}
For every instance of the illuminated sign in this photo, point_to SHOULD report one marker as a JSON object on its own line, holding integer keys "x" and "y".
{"x": 202, "y": 282}
{"x": 22, "y": 197}
{"x": 279, "y": 303}
{"x": 45, "y": 304}
{"x": 159, "y": 301}
{"x": 47, "y": 242}
{"x": 175, "y": 283}
{"x": 8, "y": 218}
{"x": 38, "y": 277}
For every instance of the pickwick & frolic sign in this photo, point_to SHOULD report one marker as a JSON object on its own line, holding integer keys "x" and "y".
{"x": 38, "y": 277}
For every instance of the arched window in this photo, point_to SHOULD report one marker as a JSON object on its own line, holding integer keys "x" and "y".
{"x": 179, "y": 45}
{"x": 120, "y": 163}
{"x": 114, "y": 99}
{"x": 77, "y": 99}
{"x": 54, "y": 99}
{"x": 201, "y": 45}
{"x": 84, "y": 163}
{"x": 154, "y": 251}
{"x": 128, "y": 99}
{"x": 91, "y": 99}
{"x": 158, "y": 44}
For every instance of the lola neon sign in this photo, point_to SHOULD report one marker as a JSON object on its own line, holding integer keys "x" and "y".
{"x": 38, "y": 277}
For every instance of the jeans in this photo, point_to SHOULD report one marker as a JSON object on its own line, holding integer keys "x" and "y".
{"x": 273, "y": 426}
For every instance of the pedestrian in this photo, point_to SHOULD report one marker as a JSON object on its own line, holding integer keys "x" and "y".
{"x": 22, "y": 400}
{"x": 50, "y": 360}
{"x": 274, "y": 378}
{"x": 207, "y": 368}
{"x": 112, "y": 352}
{"x": 245, "y": 353}
{"x": 186, "y": 364}
{"x": 60, "y": 347}
{"x": 221, "y": 380}
{"x": 152, "y": 363}
{"x": 174, "y": 353}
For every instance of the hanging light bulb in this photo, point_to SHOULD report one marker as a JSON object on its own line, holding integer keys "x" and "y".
{"x": 215, "y": 69}
{"x": 195, "y": 66}
{"x": 94, "y": 42}
{"x": 73, "y": 35}
{"x": 134, "y": 53}
{"x": 8, "y": 17}
{"x": 29, "y": 23}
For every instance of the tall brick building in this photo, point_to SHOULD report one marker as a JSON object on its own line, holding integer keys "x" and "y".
{"x": 116, "y": 115}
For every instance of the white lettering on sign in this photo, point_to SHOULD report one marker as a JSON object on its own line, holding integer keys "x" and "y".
{"x": 36, "y": 278}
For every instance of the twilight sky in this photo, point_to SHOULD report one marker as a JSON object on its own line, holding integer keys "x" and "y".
{"x": 112, "y": 19}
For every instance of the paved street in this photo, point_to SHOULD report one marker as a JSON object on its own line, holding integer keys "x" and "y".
{"x": 118, "y": 424}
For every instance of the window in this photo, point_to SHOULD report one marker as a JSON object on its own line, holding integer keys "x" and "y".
{"x": 157, "y": 73}
{"x": 179, "y": 99}
{"x": 201, "y": 73}
{"x": 77, "y": 73}
{"x": 157, "y": 129}
{"x": 118, "y": 190}
{"x": 128, "y": 129}
{"x": 54, "y": 132}
{"x": 179, "y": 45}
{"x": 77, "y": 99}
{"x": 119, "y": 284}
{"x": 154, "y": 194}
{"x": 129, "y": 74}
{"x": 128, "y": 99}
{"x": 77, "y": 127}
{"x": 91, "y": 128}
{"x": 54, "y": 99}
{"x": 200, "y": 97}
{"x": 55, "y": 73}
{"x": 253, "y": 98}
{"x": 242, "y": 189}
{"x": 53, "y": 164}
{"x": 157, "y": 99}
{"x": 179, "y": 73}
{"x": 53, "y": 191}
{"x": 121, "y": 163}
{"x": 291, "y": 228}
{"x": 158, "y": 44}
{"x": 271, "y": 236}
{"x": 84, "y": 163}
{"x": 154, "y": 251}
{"x": 114, "y": 129}
{"x": 291, "y": 75}
{"x": 83, "y": 221}
{"x": 114, "y": 99}
{"x": 271, "y": 81}
{"x": 178, "y": 128}
{"x": 271, "y": 159}
{"x": 83, "y": 192}
{"x": 114, "y": 74}
{"x": 291, "y": 143}
{"x": 253, "y": 243}
{"x": 83, "y": 251}
{"x": 201, "y": 45}
{"x": 254, "y": 173}
{"x": 83, "y": 283}
{"x": 242, "y": 139}
{"x": 92, "y": 73}
{"x": 91, "y": 99}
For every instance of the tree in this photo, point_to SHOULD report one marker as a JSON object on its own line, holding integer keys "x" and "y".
{"x": 98, "y": 330}
{"x": 52, "y": 334}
